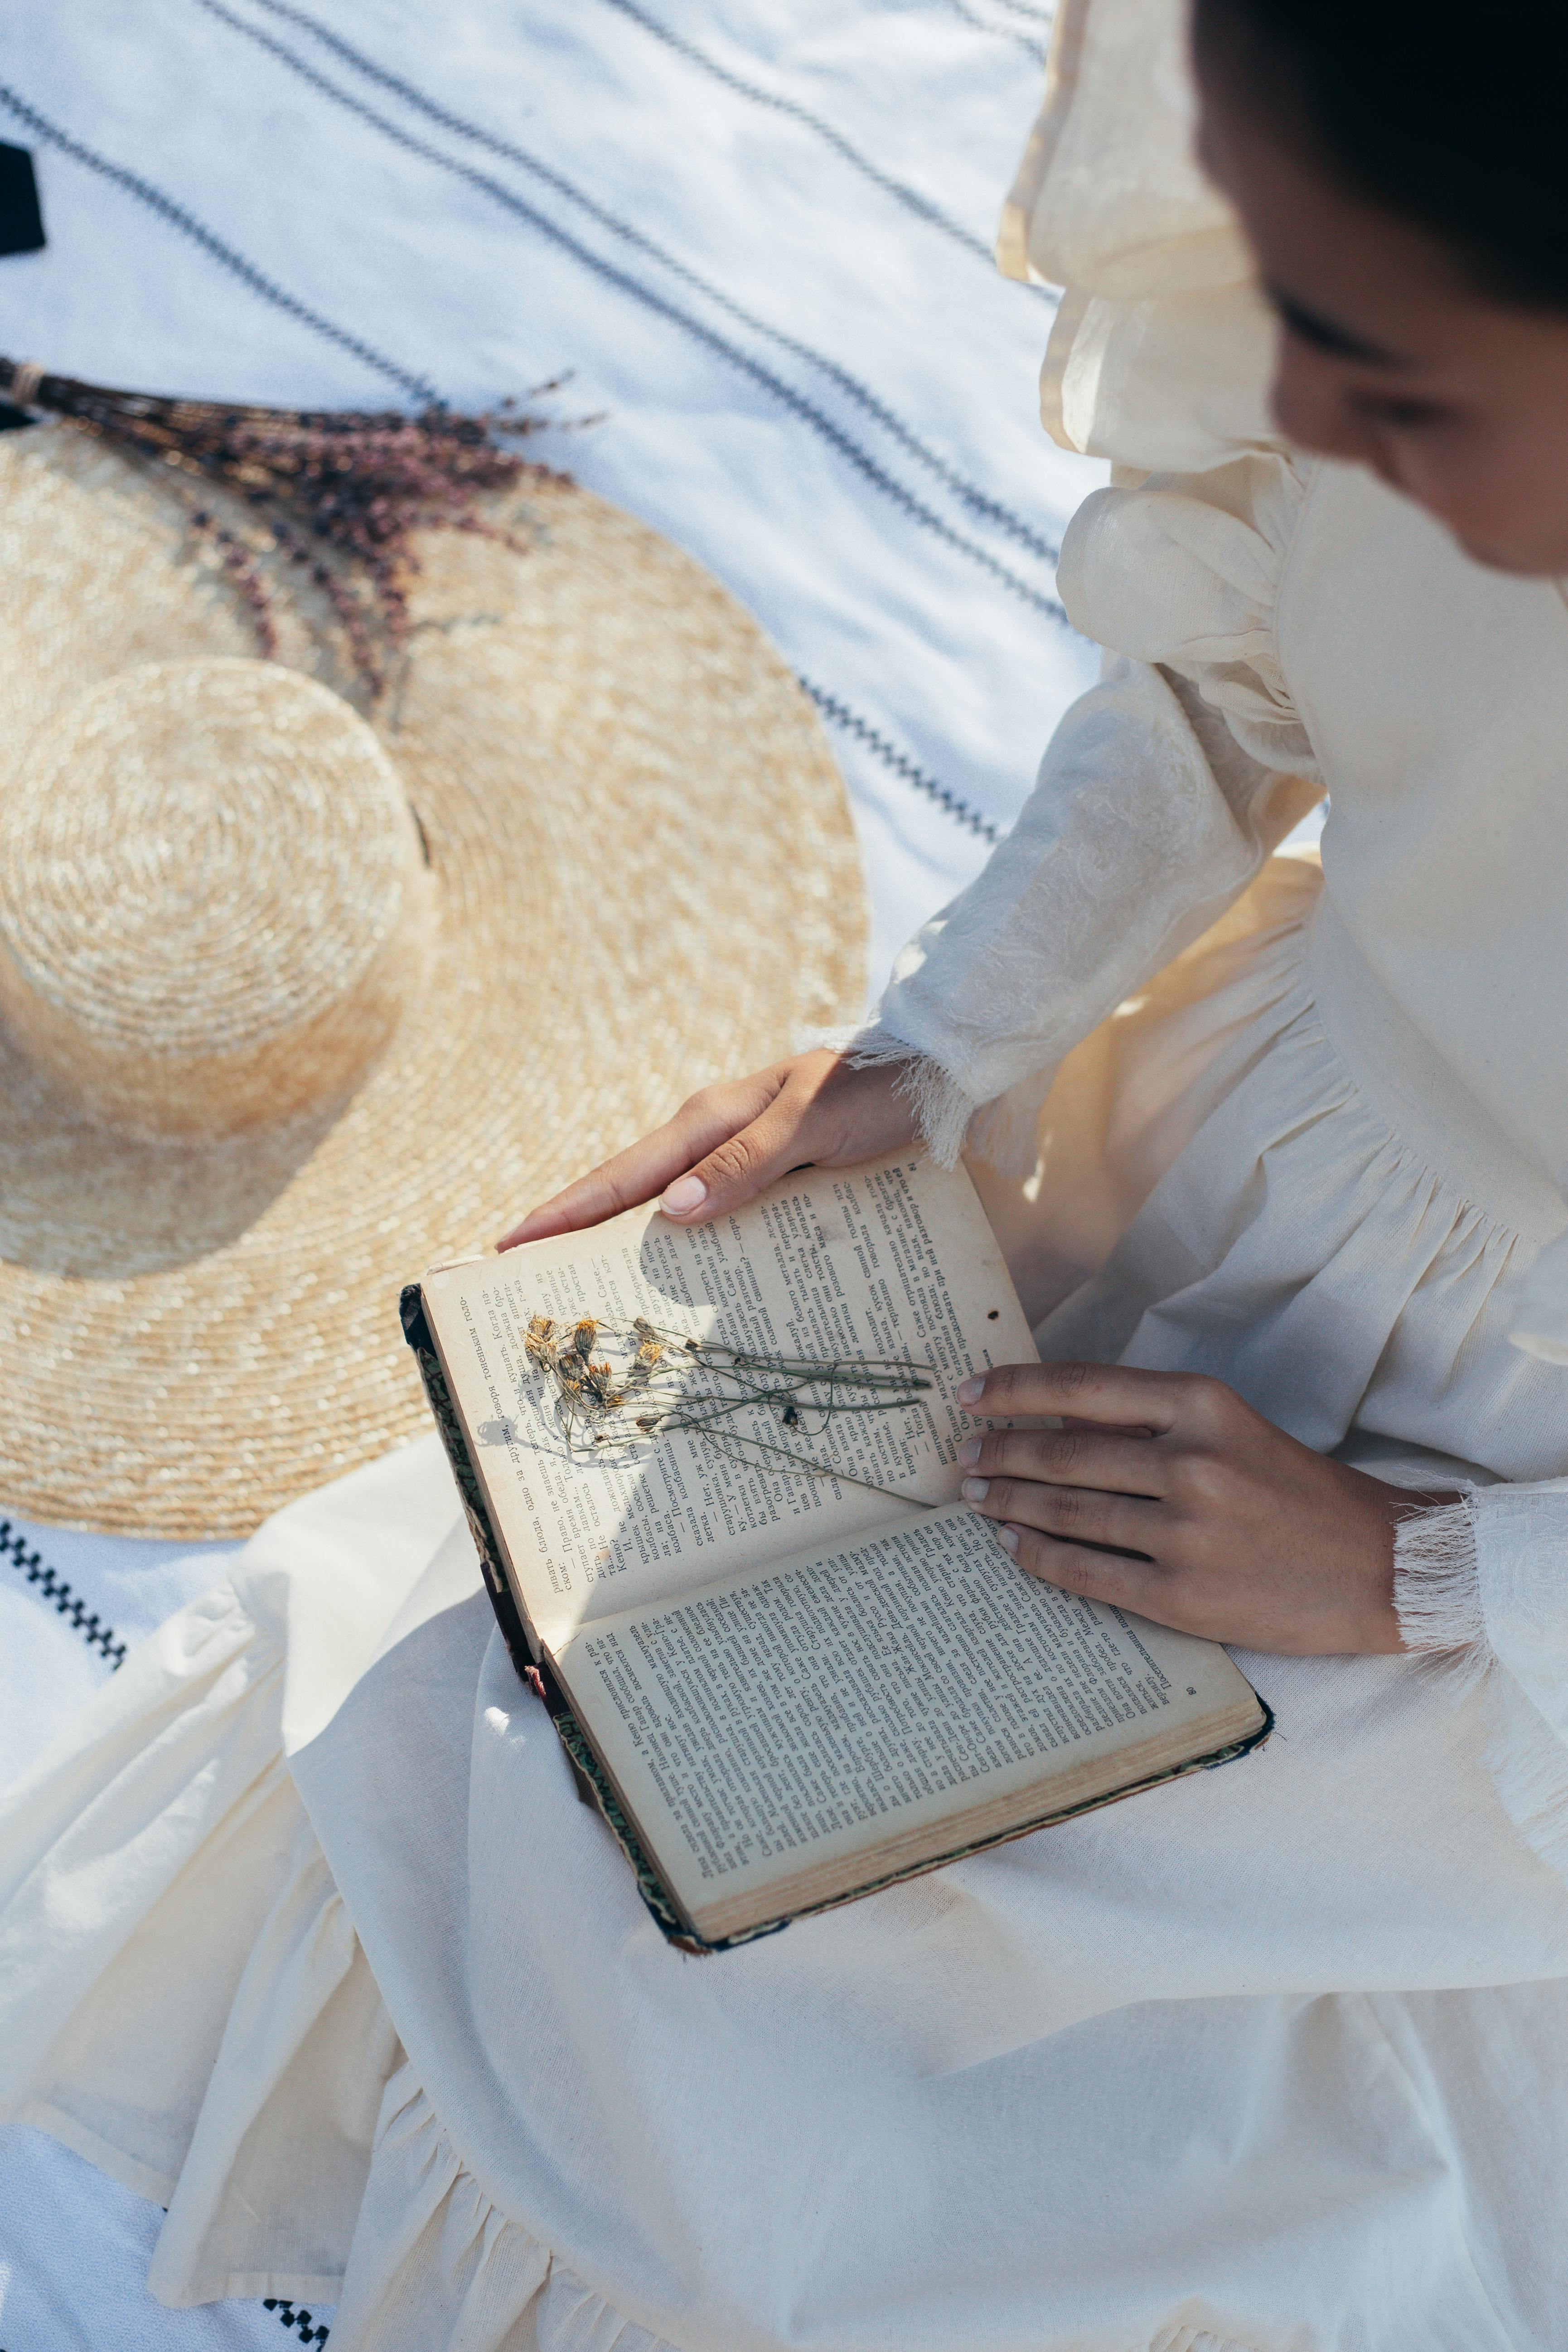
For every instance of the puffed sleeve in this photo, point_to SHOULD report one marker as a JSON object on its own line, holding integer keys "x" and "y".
{"x": 1161, "y": 792}
{"x": 1165, "y": 786}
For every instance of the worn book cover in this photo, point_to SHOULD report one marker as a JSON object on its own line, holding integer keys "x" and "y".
{"x": 712, "y": 1475}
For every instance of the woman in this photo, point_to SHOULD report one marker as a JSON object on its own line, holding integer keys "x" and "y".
{"x": 1218, "y": 2068}
{"x": 1424, "y": 313}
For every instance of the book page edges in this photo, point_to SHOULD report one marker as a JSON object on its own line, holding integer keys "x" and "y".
{"x": 915, "y": 1850}
{"x": 806, "y": 1892}
{"x": 526, "y": 1656}
{"x": 501, "y": 1583}
{"x": 723, "y": 1926}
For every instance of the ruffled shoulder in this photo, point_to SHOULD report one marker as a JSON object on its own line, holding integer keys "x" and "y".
{"x": 1162, "y": 348}
{"x": 1186, "y": 573}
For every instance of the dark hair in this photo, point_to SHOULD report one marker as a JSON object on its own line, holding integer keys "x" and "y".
{"x": 1450, "y": 116}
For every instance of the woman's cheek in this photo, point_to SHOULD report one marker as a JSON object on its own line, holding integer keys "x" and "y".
{"x": 1506, "y": 509}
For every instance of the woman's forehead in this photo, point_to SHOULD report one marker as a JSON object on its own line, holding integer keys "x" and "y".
{"x": 1347, "y": 276}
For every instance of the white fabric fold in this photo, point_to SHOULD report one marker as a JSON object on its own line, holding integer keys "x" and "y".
{"x": 438, "y": 2266}
{"x": 99, "y": 1883}
{"x": 178, "y": 1968}
{"x": 1186, "y": 572}
{"x": 1162, "y": 349}
{"x": 268, "y": 2196}
{"x": 893, "y": 2123}
{"x": 1283, "y": 1236}
{"x": 1540, "y": 1324}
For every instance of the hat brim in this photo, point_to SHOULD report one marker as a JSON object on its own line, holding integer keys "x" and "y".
{"x": 646, "y": 877}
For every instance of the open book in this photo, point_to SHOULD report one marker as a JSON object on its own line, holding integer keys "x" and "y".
{"x": 721, "y": 1533}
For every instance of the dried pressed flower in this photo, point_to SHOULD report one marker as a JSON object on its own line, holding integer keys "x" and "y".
{"x": 338, "y": 492}
{"x": 583, "y": 1337}
{"x": 724, "y": 1396}
{"x": 539, "y": 1342}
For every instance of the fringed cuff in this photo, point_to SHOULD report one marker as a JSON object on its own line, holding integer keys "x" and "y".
{"x": 1445, "y": 1559}
{"x": 1436, "y": 1581}
{"x": 943, "y": 1109}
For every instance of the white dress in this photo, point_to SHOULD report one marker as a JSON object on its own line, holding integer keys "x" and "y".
{"x": 304, "y": 1932}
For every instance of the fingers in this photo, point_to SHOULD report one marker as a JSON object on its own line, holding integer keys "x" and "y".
{"x": 739, "y": 1167}
{"x": 1072, "y": 1514}
{"x": 1096, "y": 1575}
{"x": 1082, "y": 1456}
{"x": 1117, "y": 1394}
{"x": 728, "y": 1142}
{"x": 643, "y": 1171}
{"x": 822, "y": 1113}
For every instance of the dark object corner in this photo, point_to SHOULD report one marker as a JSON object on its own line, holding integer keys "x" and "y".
{"x": 21, "y": 221}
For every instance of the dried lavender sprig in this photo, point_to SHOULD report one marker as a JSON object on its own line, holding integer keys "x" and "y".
{"x": 338, "y": 492}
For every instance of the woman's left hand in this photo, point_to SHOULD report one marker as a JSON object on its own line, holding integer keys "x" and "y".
{"x": 1166, "y": 1494}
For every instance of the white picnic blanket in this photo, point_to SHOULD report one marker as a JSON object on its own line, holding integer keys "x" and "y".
{"x": 757, "y": 235}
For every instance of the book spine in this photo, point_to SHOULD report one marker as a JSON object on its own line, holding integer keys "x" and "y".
{"x": 586, "y": 1768}
{"x": 535, "y": 1672}
{"x": 417, "y": 1331}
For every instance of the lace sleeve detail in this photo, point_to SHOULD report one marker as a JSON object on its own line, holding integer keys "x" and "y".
{"x": 943, "y": 1111}
{"x": 1164, "y": 787}
{"x": 1127, "y": 850}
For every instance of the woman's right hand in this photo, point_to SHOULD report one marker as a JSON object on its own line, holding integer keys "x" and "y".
{"x": 725, "y": 1144}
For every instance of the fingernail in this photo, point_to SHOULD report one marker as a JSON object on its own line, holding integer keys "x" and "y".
{"x": 976, "y": 1490}
{"x": 686, "y": 1193}
{"x": 970, "y": 1391}
{"x": 969, "y": 1452}
{"x": 1009, "y": 1539}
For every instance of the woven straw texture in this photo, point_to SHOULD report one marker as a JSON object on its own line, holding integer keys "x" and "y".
{"x": 293, "y": 1006}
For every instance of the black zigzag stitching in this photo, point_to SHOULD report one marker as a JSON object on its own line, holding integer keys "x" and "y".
{"x": 52, "y": 1587}
{"x": 778, "y": 104}
{"x": 900, "y": 763}
{"x": 976, "y": 500}
{"x": 782, "y": 391}
{"x": 1046, "y": 17}
{"x": 830, "y": 706}
{"x": 309, "y": 2330}
{"x": 418, "y": 387}
{"x": 1035, "y": 50}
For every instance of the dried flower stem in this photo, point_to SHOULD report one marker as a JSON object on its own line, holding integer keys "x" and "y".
{"x": 653, "y": 1382}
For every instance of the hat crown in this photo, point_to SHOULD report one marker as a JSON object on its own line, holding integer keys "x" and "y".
{"x": 211, "y": 888}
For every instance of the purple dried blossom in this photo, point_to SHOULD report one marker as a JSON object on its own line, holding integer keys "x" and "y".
{"x": 340, "y": 492}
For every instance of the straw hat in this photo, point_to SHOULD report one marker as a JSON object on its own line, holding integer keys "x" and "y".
{"x": 294, "y": 1002}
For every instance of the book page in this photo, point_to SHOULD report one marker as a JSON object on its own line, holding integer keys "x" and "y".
{"x": 890, "y": 1259}
{"x": 799, "y": 1714}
